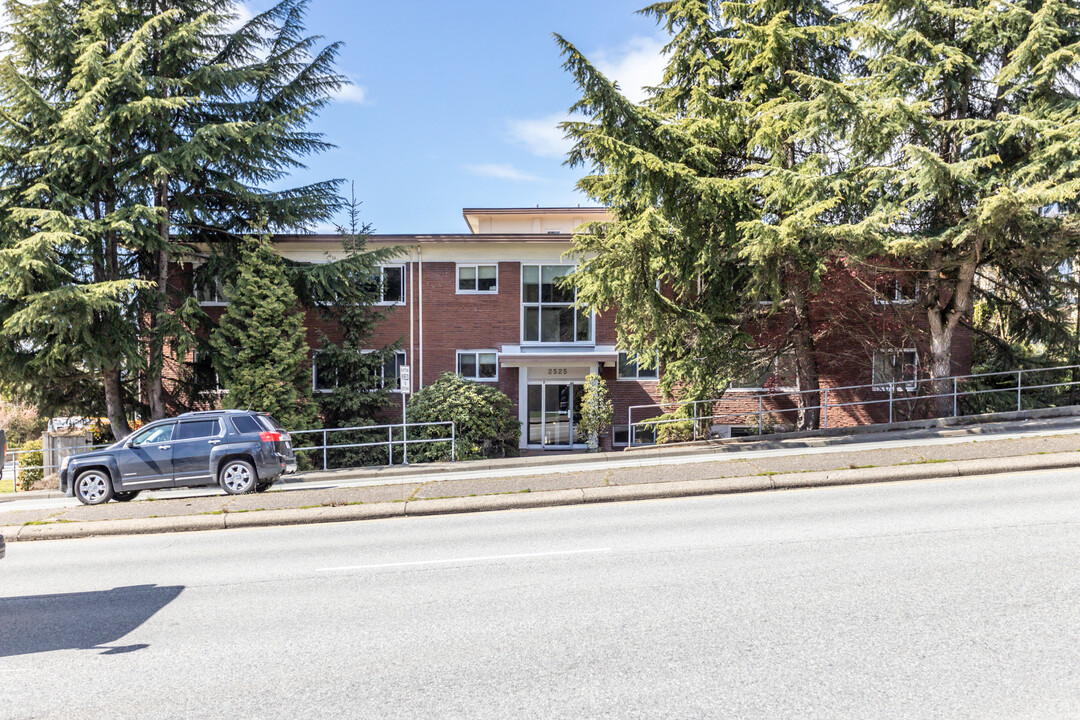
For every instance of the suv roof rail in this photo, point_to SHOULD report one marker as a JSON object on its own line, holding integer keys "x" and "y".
{"x": 196, "y": 413}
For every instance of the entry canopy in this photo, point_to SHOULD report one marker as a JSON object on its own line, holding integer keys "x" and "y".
{"x": 517, "y": 356}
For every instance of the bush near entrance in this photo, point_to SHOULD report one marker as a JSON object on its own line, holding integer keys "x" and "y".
{"x": 484, "y": 416}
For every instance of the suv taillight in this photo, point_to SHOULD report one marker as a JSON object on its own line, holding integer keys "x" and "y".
{"x": 270, "y": 437}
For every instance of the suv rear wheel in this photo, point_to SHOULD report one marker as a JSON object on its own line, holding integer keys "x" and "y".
{"x": 93, "y": 487}
{"x": 237, "y": 477}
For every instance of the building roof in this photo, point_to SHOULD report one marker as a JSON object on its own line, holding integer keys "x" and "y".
{"x": 439, "y": 238}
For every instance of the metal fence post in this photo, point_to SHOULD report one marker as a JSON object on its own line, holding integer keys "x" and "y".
{"x": 14, "y": 472}
{"x": 404, "y": 444}
{"x": 955, "y": 406}
{"x": 694, "y": 408}
{"x": 825, "y": 413}
{"x": 1019, "y": 387}
{"x": 629, "y": 428}
{"x": 324, "y": 450}
{"x": 759, "y": 415}
{"x": 453, "y": 442}
{"x": 390, "y": 443}
{"x": 892, "y": 390}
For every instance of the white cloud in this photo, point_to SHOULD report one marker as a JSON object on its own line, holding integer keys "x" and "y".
{"x": 243, "y": 14}
{"x": 637, "y": 64}
{"x": 350, "y": 92}
{"x": 541, "y": 136}
{"x": 502, "y": 172}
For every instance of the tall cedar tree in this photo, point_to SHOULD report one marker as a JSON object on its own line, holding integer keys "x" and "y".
{"x": 133, "y": 133}
{"x": 344, "y": 293}
{"x": 968, "y": 138}
{"x": 259, "y": 343}
{"x": 720, "y": 184}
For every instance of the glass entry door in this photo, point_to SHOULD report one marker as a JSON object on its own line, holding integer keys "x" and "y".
{"x": 554, "y": 413}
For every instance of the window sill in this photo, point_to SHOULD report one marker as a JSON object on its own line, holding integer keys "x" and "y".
{"x": 477, "y": 292}
{"x": 394, "y": 303}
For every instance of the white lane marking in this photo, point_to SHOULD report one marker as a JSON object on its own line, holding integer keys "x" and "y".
{"x": 482, "y": 558}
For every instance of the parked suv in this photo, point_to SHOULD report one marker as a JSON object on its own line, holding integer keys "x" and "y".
{"x": 239, "y": 450}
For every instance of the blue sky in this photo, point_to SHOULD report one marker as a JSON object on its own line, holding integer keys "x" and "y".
{"x": 454, "y": 103}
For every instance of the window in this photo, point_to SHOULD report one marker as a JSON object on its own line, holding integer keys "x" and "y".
{"x": 156, "y": 434}
{"x": 780, "y": 373}
{"x": 194, "y": 429}
{"x": 630, "y": 370}
{"x": 391, "y": 285}
{"x": 324, "y": 378}
{"x": 477, "y": 279}
{"x": 548, "y": 313}
{"x": 895, "y": 368}
{"x": 896, "y": 290}
{"x": 478, "y": 364}
{"x": 205, "y": 376}
{"x": 245, "y": 424}
{"x": 208, "y": 291}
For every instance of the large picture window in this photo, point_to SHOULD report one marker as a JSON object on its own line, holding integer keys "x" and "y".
{"x": 324, "y": 377}
{"x": 548, "y": 313}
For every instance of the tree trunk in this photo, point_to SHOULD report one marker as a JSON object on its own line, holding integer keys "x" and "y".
{"x": 155, "y": 392}
{"x": 942, "y": 325}
{"x": 809, "y": 417}
{"x": 114, "y": 403}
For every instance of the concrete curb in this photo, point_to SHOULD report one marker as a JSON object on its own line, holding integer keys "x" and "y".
{"x": 549, "y": 498}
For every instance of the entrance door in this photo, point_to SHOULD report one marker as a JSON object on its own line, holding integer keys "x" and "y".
{"x": 554, "y": 413}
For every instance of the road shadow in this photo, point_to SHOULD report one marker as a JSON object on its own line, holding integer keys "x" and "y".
{"x": 79, "y": 621}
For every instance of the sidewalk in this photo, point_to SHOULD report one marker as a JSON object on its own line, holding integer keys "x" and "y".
{"x": 565, "y": 480}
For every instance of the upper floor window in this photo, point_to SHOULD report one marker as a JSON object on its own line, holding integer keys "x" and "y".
{"x": 896, "y": 290}
{"x": 208, "y": 291}
{"x": 478, "y": 364}
{"x": 898, "y": 369}
{"x": 777, "y": 374}
{"x": 477, "y": 279}
{"x": 391, "y": 281}
{"x": 548, "y": 313}
{"x": 631, "y": 370}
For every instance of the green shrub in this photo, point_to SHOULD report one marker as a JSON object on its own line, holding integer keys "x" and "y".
{"x": 667, "y": 431}
{"x": 27, "y": 478}
{"x": 486, "y": 425}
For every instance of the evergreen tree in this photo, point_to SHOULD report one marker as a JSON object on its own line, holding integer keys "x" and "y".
{"x": 344, "y": 293}
{"x": 967, "y": 135}
{"x": 133, "y": 134}
{"x": 721, "y": 185}
{"x": 259, "y": 344}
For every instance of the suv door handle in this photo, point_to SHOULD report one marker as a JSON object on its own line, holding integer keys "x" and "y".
{"x": 163, "y": 447}
{"x": 213, "y": 442}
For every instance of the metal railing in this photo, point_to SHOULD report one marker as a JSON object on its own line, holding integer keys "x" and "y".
{"x": 901, "y": 393}
{"x": 402, "y": 440}
{"x": 12, "y": 464}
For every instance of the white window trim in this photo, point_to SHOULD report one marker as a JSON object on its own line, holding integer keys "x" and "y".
{"x": 218, "y": 390}
{"x": 404, "y": 286}
{"x": 476, "y": 266}
{"x": 218, "y": 290}
{"x": 314, "y": 388}
{"x": 637, "y": 377}
{"x": 522, "y": 304}
{"x": 897, "y": 298}
{"x": 884, "y": 387}
{"x": 457, "y": 364}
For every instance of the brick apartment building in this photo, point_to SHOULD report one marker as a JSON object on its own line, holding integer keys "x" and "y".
{"x": 485, "y": 304}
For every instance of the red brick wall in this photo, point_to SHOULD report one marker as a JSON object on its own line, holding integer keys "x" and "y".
{"x": 848, "y": 327}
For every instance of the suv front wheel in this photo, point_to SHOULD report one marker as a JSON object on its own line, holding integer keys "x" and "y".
{"x": 93, "y": 487}
{"x": 237, "y": 477}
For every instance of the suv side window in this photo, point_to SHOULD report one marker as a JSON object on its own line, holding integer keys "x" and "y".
{"x": 245, "y": 424}
{"x": 193, "y": 429}
{"x": 156, "y": 434}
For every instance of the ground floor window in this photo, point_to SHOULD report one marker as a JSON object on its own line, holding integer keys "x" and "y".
{"x": 324, "y": 377}
{"x": 895, "y": 368}
{"x": 631, "y": 370}
{"x": 480, "y": 365}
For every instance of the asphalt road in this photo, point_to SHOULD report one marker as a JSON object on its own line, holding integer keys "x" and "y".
{"x": 936, "y": 599}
